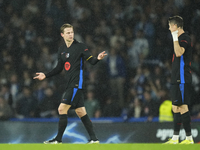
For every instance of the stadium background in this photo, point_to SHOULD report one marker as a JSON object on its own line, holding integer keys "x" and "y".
{"x": 131, "y": 83}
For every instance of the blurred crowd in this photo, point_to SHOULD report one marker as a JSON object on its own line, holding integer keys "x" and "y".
{"x": 132, "y": 81}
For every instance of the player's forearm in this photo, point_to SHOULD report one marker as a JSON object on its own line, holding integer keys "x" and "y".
{"x": 93, "y": 60}
{"x": 177, "y": 49}
{"x": 55, "y": 71}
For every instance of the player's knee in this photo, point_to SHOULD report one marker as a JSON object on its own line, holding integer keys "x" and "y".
{"x": 80, "y": 113}
{"x": 61, "y": 111}
{"x": 184, "y": 109}
{"x": 175, "y": 109}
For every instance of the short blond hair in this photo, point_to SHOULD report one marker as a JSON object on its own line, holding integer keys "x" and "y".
{"x": 67, "y": 25}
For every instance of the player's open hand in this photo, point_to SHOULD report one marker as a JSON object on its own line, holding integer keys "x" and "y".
{"x": 101, "y": 55}
{"x": 40, "y": 76}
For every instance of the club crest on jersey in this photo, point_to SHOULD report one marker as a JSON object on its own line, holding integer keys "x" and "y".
{"x": 67, "y": 55}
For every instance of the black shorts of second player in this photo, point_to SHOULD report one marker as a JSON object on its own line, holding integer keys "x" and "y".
{"x": 73, "y": 97}
{"x": 180, "y": 94}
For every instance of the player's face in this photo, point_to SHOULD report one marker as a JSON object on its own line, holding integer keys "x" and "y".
{"x": 68, "y": 34}
{"x": 172, "y": 27}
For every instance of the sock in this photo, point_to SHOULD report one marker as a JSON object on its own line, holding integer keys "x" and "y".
{"x": 89, "y": 127}
{"x": 186, "y": 123}
{"x": 177, "y": 123}
{"x": 189, "y": 138}
{"x": 175, "y": 137}
{"x": 62, "y": 124}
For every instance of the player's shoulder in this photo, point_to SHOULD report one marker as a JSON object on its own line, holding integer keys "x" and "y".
{"x": 185, "y": 37}
{"x": 62, "y": 47}
{"x": 80, "y": 44}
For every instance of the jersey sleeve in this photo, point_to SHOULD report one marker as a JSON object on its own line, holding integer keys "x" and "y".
{"x": 58, "y": 68}
{"x": 184, "y": 42}
{"x": 88, "y": 56}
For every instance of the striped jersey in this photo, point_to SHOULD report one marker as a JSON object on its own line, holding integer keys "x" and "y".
{"x": 181, "y": 66}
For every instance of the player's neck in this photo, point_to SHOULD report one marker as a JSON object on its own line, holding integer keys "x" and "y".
{"x": 181, "y": 31}
{"x": 69, "y": 43}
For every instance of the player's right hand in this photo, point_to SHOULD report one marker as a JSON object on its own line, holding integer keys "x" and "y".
{"x": 40, "y": 76}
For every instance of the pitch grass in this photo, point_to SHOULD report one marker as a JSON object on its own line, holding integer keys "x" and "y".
{"x": 133, "y": 146}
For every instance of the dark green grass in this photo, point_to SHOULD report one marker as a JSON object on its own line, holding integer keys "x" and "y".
{"x": 134, "y": 146}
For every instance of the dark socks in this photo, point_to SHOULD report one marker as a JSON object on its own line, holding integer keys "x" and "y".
{"x": 62, "y": 124}
{"x": 177, "y": 123}
{"x": 89, "y": 127}
{"x": 186, "y": 120}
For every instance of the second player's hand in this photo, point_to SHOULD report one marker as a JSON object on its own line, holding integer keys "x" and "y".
{"x": 101, "y": 55}
{"x": 40, "y": 76}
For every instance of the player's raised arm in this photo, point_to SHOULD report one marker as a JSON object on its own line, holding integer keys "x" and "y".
{"x": 40, "y": 76}
{"x": 92, "y": 60}
{"x": 177, "y": 48}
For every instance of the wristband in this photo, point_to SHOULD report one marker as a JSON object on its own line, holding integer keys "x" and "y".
{"x": 175, "y": 35}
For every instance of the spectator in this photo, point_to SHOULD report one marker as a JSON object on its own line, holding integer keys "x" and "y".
{"x": 117, "y": 74}
{"x": 111, "y": 109}
{"x": 135, "y": 108}
{"x": 92, "y": 105}
{"x": 27, "y": 80}
{"x": 150, "y": 107}
{"x": 6, "y": 95}
{"x": 26, "y": 104}
{"x": 118, "y": 36}
{"x": 139, "y": 50}
{"x": 15, "y": 88}
{"x": 48, "y": 106}
{"x": 5, "y": 110}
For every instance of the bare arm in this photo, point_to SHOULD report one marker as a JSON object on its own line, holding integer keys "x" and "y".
{"x": 178, "y": 50}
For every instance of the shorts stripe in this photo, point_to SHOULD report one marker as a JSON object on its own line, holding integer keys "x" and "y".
{"x": 74, "y": 93}
{"x": 181, "y": 86}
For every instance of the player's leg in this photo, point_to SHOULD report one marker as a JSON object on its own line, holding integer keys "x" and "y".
{"x": 186, "y": 120}
{"x": 63, "y": 108}
{"x": 81, "y": 112}
{"x": 175, "y": 97}
{"x": 63, "y": 120}
{"x": 185, "y": 114}
{"x": 62, "y": 124}
{"x": 177, "y": 122}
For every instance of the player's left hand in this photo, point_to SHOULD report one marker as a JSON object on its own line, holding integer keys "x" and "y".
{"x": 101, "y": 55}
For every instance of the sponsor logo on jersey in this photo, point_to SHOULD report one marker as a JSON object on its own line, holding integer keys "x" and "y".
{"x": 67, "y": 66}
